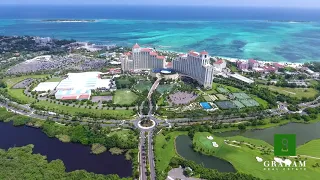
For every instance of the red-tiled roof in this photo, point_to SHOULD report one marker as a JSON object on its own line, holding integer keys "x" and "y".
{"x": 136, "y": 46}
{"x": 153, "y": 53}
{"x": 269, "y": 68}
{"x": 84, "y": 96}
{"x": 193, "y": 53}
{"x": 169, "y": 64}
{"x": 277, "y": 65}
{"x": 146, "y": 50}
{"x": 252, "y": 61}
{"x": 160, "y": 57}
{"x": 204, "y": 52}
{"x": 127, "y": 53}
{"x": 220, "y": 61}
{"x": 69, "y": 97}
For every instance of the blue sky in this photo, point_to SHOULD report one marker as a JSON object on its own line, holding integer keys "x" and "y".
{"x": 272, "y": 3}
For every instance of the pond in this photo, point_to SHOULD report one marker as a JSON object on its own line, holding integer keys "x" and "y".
{"x": 304, "y": 132}
{"x": 74, "y": 156}
{"x": 184, "y": 149}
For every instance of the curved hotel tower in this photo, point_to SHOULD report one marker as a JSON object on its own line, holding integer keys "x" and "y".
{"x": 194, "y": 64}
{"x": 197, "y": 66}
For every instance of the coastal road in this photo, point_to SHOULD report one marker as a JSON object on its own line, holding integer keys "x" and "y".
{"x": 151, "y": 156}
{"x": 142, "y": 156}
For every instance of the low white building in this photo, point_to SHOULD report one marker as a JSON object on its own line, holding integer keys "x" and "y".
{"x": 46, "y": 86}
{"x": 242, "y": 78}
{"x": 220, "y": 65}
{"x": 86, "y": 80}
{"x": 79, "y": 85}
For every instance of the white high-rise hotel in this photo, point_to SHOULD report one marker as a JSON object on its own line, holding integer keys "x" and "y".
{"x": 141, "y": 58}
{"x": 194, "y": 64}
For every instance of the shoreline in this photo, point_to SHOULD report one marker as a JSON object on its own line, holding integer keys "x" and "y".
{"x": 261, "y": 62}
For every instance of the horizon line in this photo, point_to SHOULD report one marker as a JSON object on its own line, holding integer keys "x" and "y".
{"x": 162, "y": 5}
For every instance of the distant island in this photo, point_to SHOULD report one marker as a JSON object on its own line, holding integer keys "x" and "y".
{"x": 69, "y": 20}
{"x": 289, "y": 21}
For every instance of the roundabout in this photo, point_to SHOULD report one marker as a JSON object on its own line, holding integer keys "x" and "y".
{"x": 146, "y": 124}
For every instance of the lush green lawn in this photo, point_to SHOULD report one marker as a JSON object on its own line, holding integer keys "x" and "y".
{"x": 123, "y": 133}
{"x": 123, "y": 81}
{"x": 120, "y": 114}
{"x": 162, "y": 101}
{"x": 124, "y": 96}
{"x": 164, "y": 87}
{"x": 230, "y": 88}
{"x": 260, "y": 101}
{"x": 164, "y": 150}
{"x": 143, "y": 85}
{"x": 311, "y": 148}
{"x": 234, "y": 69}
{"x": 313, "y": 82}
{"x": 294, "y": 92}
{"x": 211, "y": 91}
{"x": 55, "y": 79}
{"x": 10, "y": 81}
{"x": 244, "y": 160}
{"x": 18, "y": 94}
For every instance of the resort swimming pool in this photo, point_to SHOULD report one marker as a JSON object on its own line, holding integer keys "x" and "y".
{"x": 205, "y": 105}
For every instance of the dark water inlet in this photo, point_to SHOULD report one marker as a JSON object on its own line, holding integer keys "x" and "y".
{"x": 184, "y": 149}
{"x": 303, "y": 132}
{"x": 74, "y": 156}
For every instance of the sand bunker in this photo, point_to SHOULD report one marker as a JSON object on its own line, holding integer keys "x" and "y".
{"x": 209, "y": 137}
{"x": 259, "y": 159}
{"x": 287, "y": 162}
{"x": 214, "y": 144}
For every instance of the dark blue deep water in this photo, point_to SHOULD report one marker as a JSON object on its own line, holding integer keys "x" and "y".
{"x": 74, "y": 156}
{"x": 157, "y": 12}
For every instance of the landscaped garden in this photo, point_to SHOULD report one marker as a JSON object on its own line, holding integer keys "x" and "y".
{"x": 230, "y": 97}
{"x": 165, "y": 87}
{"x": 143, "y": 85}
{"x": 124, "y": 97}
{"x": 85, "y": 112}
{"x": 293, "y": 92}
{"x": 18, "y": 94}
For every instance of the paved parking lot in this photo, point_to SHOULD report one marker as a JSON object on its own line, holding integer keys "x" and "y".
{"x": 180, "y": 98}
{"x": 23, "y": 84}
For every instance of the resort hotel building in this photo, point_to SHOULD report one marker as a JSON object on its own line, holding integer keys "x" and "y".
{"x": 141, "y": 59}
{"x": 197, "y": 66}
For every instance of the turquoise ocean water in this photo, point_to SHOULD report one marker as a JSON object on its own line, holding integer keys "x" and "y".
{"x": 264, "y": 34}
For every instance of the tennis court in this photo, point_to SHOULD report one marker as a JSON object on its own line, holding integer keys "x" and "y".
{"x": 238, "y": 104}
{"x": 222, "y": 90}
{"x": 241, "y": 95}
{"x": 225, "y": 104}
{"x": 207, "y": 98}
{"x": 249, "y": 102}
{"x": 221, "y": 97}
